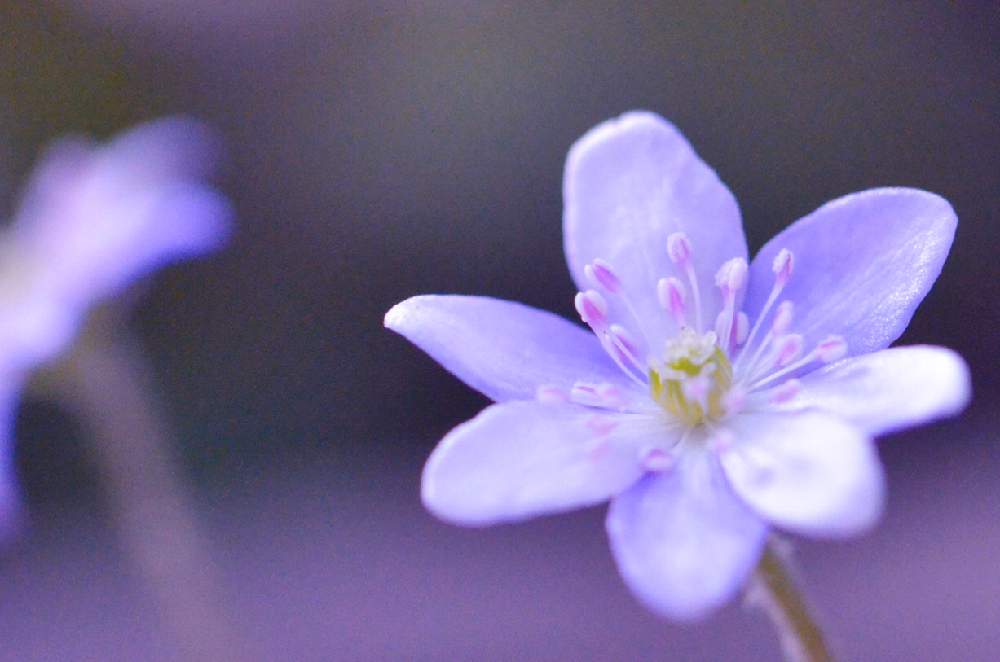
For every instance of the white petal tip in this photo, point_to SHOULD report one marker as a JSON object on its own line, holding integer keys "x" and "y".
{"x": 397, "y": 316}
{"x": 629, "y": 122}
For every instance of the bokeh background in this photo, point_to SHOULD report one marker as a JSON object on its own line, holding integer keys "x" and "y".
{"x": 378, "y": 150}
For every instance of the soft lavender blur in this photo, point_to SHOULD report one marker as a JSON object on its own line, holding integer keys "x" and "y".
{"x": 93, "y": 219}
{"x": 377, "y": 152}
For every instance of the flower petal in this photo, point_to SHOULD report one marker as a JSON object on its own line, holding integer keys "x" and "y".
{"x": 683, "y": 541}
{"x": 864, "y": 263}
{"x": 891, "y": 389}
{"x": 630, "y": 183}
{"x": 520, "y": 459}
{"x": 503, "y": 349}
{"x": 807, "y": 472}
{"x": 35, "y": 327}
{"x": 100, "y": 216}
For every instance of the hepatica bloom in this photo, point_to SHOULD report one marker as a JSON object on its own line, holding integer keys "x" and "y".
{"x": 711, "y": 398}
{"x": 93, "y": 219}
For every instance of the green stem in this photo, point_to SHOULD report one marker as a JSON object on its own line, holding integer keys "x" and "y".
{"x": 775, "y": 591}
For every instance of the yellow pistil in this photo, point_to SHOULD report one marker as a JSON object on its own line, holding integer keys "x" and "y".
{"x": 690, "y": 358}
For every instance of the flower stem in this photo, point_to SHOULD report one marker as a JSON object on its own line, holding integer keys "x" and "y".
{"x": 107, "y": 384}
{"x": 774, "y": 590}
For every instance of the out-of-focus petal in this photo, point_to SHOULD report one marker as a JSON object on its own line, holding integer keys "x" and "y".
{"x": 164, "y": 149}
{"x": 144, "y": 232}
{"x": 807, "y": 472}
{"x": 98, "y": 217}
{"x": 630, "y": 183}
{"x": 34, "y": 328}
{"x": 503, "y": 349}
{"x": 521, "y": 459}
{"x": 76, "y": 172}
{"x": 683, "y": 541}
{"x": 864, "y": 263}
{"x": 53, "y": 184}
{"x": 891, "y": 389}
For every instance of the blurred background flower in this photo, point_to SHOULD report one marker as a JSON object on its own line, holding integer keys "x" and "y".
{"x": 92, "y": 220}
{"x": 371, "y": 145}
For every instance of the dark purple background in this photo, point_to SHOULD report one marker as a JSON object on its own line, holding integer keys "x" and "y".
{"x": 382, "y": 152}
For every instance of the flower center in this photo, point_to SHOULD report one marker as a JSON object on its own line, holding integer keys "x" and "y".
{"x": 694, "y": 378}
{"x": 703, "y": 377}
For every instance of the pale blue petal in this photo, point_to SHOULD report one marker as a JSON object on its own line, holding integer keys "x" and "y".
{"x": 807, "y": 472}
{"x": 891, "y": 389}
{"x": 521, "y": 459}
{"x": 630, "y": 183}
{"x": 100, "y": 216}
{"x": 504, "y": 349}
{"x": 684, "y": 543}
{"x": 863, "y": 264}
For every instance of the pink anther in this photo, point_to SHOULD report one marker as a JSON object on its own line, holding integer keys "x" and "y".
{"x": 679, "y": 248}
{"x": 600, "y": 273}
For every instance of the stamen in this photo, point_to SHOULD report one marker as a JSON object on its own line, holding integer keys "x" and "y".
{"x": 730, "y": 280}
{"x": 679, "y": 250}
{"x": 600, "y": 425}
{"x": 551, "y": 395}
{"x": 831, "y": 349}
{"x": 742, "y": 327}
{"x": 731, "y": 276}
{"x": 721, "y": 321}
{"x": 784, "y": 350}
{"x": 782, "y": 320}
{"x": 783, "y": 265}
{"x": 585, "y": 394}
{"x": 656, "y": 459}
{"x": 670, "y": 293}
{"x": 593, "y": 309}
{"x": 789, "y": 348}
{"x": 601, "y": 274}
{"x": 604, "y": 395}
{"x": 734, "y": 400}
{"x": 616, "y": 341}
{"x": 623, "y": 342}
{"x": 786, "y": 391}
{"x": 611, "y": 395}
{"x": 622, "y": 359}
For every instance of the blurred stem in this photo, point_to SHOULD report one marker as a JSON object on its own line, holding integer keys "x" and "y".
{"x": 107, "y": 384}
{"x": 774, "y": 590}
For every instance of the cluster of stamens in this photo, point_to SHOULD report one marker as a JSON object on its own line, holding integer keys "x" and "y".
{"x": 702, "y": 375}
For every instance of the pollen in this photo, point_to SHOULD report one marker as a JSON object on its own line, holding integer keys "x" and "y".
{"x": 692, "y": 381}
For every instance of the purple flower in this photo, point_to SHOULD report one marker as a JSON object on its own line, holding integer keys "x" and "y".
{"x": 93, "y": 219}
{"x": 714, "y": 398}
